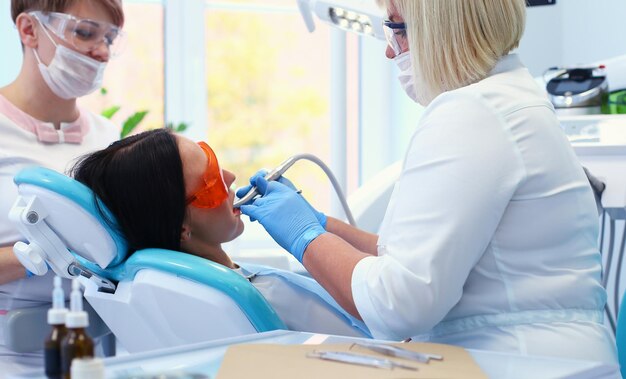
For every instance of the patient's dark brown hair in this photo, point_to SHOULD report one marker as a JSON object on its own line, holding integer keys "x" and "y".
{"x": 140, "y": 179}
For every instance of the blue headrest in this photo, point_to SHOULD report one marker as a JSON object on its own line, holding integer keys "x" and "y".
{"x": 260, "y": 314}
{"x": 256, "y": 308}
{"x": 82, "y": 196}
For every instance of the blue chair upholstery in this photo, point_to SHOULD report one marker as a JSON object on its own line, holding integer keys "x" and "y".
{"x": 620, "y": 338}
{"x": 256, "y": 309}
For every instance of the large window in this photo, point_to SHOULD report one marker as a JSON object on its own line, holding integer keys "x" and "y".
{"x": 134, "y": 80}
{"x": 268, "y": 90}
{"x": 247, "y": 76}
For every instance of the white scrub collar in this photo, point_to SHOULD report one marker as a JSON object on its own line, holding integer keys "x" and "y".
{"x": 507, "y": 63}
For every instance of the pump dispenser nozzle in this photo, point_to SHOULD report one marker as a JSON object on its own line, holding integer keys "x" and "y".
{"x": 77, "y": 344}
{"x": 58, "y": 312}
{"x": 76, "y": 318}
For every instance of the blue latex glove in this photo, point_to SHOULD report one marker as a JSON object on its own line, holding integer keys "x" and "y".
{"x": 321, "y": 217}
{"x": 285, "y": 215}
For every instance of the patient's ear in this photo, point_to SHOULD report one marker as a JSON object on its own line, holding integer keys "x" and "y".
{"x": 185, "y": 233}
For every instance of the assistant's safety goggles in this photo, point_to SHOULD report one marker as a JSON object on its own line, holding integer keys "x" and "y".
{"x": 83, "y": 34}
{"x": 395, "y": 33}
{"x": 213, "y": 190}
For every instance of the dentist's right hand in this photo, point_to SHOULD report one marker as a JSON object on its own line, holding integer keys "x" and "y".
{"x": 241, "y": 192}
{"x": 285, "y": 215}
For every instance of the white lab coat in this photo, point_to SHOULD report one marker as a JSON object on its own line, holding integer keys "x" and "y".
{"x": 19, "y": 148}
{"x": 490, "y": 237}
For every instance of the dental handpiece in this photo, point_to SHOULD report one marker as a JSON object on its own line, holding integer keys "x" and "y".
{"x": 280, "y": 170}
{"x": 272, "y": 175}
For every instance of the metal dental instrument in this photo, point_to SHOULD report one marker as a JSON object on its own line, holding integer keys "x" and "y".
{"x": 359, "y": 359}
{"x": 398, "y": 352}
{"x": 284, "y": 166}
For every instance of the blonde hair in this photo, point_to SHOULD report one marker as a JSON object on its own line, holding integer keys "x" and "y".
{"x": 454, "y": 43}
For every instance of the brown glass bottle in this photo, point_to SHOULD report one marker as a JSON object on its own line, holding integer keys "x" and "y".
{"x": 76, "y": 344}
{"x": 52, "y": 351}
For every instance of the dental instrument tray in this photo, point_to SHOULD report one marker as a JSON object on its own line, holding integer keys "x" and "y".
{"x": 348, "y": 360}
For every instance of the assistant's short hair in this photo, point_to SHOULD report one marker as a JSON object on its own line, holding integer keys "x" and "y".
{"x": 20, "y": 6}
{"x": 454, "y": 43}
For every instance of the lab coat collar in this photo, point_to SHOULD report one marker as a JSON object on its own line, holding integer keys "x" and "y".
{"x": 69, "y": 132}
{"x": 507, "y": 63}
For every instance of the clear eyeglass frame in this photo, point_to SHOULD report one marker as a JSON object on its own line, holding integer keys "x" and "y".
{"x": 85, "y": 35}
{"x": 395, "y": 33}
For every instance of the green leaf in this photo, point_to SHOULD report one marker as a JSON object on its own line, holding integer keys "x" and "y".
{"x": 131, "y": 123}
{"x": 103, "y": 91}
{"x": 181, "y": 127}
{"x": 177, "y": 128}
{"x": 110, "y": 112}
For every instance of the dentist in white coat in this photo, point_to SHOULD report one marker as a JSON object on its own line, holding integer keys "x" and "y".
{"x": 490, "y": 237}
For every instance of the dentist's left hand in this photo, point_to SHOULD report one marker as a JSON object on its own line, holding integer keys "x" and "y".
{"x": 285, "y": 215}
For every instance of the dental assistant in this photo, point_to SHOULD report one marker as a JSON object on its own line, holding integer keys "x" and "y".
{"x": 66, "y": 45}
{"x": 490, "y": 238}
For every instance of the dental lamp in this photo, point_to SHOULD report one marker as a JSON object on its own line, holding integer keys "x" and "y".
{"x": 363, "y": 17}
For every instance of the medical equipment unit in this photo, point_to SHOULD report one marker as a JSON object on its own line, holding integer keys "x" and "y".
{"x": 152, "y": 299}
{"x": 532, "y": 3}
{"x": 580, "y": 90}
{"x": 363, "y": 17}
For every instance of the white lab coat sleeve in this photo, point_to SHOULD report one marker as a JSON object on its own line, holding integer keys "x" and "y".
{"x": 460, "y": 172}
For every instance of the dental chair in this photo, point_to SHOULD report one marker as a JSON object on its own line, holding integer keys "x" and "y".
{"x": 151, "y": 299}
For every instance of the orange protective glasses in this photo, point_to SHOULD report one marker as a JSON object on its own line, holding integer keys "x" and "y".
{"x": 213, "y": 190}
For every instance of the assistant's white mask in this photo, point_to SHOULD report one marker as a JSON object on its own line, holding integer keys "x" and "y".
{"x": 406, "y": 75}
{"x": 70, "y": 74}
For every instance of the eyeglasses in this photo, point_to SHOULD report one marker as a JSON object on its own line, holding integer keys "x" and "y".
{"x": 213, "y": 190}
{"x": 395, "y": 33}
{"x": 83, "y": 34}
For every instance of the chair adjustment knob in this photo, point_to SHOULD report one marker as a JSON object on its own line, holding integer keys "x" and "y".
{"x": 31, "y": 257}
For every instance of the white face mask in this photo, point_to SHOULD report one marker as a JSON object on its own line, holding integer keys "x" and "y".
{"x": 71, "y": 74}
{"x": 406, "y": 75}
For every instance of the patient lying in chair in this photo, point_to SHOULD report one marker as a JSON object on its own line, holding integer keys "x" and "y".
{"x": 168, "y": 192}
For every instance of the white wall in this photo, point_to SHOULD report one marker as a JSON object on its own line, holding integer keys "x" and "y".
{"x": 593, "y": 30}
{"x": 541, "y": 46}
{"x": 11, "y": 51}
{"x": 573, "y": 32}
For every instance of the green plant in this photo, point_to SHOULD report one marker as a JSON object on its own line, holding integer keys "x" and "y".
{"x": 135, "y": 119}
{"x": 110, "y": 112}
{"x": 131, "y": 123}
{"x": 177, "y": 128}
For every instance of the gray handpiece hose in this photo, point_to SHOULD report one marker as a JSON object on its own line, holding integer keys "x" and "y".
{"x": 280, "y": 170}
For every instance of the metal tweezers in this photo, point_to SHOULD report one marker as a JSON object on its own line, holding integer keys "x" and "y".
{"x": 398, "y": 352}
{"x": 359, "y": 359}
